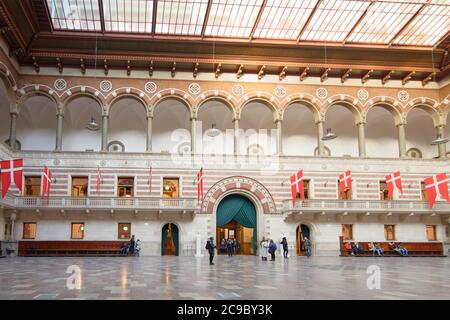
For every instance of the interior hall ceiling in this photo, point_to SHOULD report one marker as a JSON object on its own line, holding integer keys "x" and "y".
{"x": 367, "y": 39}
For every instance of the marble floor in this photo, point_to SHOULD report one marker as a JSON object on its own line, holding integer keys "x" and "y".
{"x": 241, "y": 277}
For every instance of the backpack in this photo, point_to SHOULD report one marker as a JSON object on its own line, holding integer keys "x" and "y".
{"x": 274, "y": 247}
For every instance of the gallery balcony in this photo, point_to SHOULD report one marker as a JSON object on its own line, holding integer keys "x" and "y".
{"x": 363, "y": 206}
{"x": 189, "y": 205}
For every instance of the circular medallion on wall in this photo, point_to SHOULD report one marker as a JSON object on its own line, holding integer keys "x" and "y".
{"x": 56, "y": 162}
{"x": 106, "y": 86}
{"x": 321, "y": 93}
{"x": 324, "y": 166}
{"x": 103, "y": 163}
{"x": 403, "y": 96}
{"x": 280, "y": 91}
{"x": 194, "y": 89}
{"x": 150, "y": 87}
{"x": 184, "y": 148}
{"x": 60, "y": 84}
{"x": 237, "y": 90}
{"x": 363, "y": 94}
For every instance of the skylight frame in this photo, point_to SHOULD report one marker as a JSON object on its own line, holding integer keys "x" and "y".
{"x": 88, "y": 12}
{"x": 118, "y": 19}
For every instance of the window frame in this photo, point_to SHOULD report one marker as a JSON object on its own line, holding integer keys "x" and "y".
{"x": 161, "y": 193}
{"x": 119, "y": 230}
{"x": 351, "y": 231}
{"x": 25, "y": 184}
{"x": 83, "y": 231}
{"x": 434, "y": 231}
{"x": 71, "y": 177}
{"x": 394, "y": 238}
{"x": 35, "y": 230}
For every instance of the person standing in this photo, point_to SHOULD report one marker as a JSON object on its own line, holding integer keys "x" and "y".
{"x": 235, "y": 246}
{"x": 230, "y": 247}
{"x": 264, "y": 249}
{"x": 132, "y": 245}
{"x": 285, "y": 247}
{"x": 308, "y": 247}
{"x": 272, "y": 250}
{"x": 210, "y": 246}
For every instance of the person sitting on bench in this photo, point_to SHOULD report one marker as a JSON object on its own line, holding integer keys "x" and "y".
{"x": 357, "y": 248}
{"x": 124, "y": 248}
{"x": 375, "y": 248}
{"x": 394, "y": 248}
{"x": 402, "y": 249}
{"x": 349, "y": 248}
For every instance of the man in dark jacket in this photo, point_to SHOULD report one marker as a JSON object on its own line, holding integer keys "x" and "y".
{"x": 285, "y": 247}
{"x": 210, "y": 247}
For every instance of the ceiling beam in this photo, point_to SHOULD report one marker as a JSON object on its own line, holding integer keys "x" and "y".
{"x": 283, "y": 72}
{"x": 408, "y": 77}
{"x": 428, "y": 78}
{"x": 174, "y": 69}
{"x": 261, "y": 72}
{"x": 366, "y": 77}
{"x": 205, "y": 22}
{"x": 358, "y": 22}
{"x": 346, "y": 75}
{"x": 59, "y": 65}
{"x": 240, "y": 71}
{"x": 105, "y": 67}
{"x": 258, "y": 18}
{"x": 387, "y": 77}
{"x": 155, "y": 9}
{"x": 218, "y": 70}
{"x": 313, "y": 12}
{"x": 409, "y": 22}
{"x": 444, "y": 59}
{"x": 324, "y": 75}
{"x": 102, "y": 15}
{"x": 195, "y": 72}
{"x": 442, "y": 39}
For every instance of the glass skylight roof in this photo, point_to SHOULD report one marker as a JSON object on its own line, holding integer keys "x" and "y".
{"x": 283, "y": 19}
{"x": 75, "y": 14}
{"x": 128, "y": 15}
{"x": 232, "y": 18}
{"x": 184, "y": 17}
{"x": 398, "y": 22}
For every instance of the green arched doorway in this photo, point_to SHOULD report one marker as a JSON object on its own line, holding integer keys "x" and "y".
{"x": 169, "y": 240}
{"x": 302, "y": 232}
{"x": 236, "y": 218}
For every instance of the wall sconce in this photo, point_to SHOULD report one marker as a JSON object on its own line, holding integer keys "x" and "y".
{"x": 325, "y": 184}
{"x": 282, "y": 183}
{"x": 368, "y": 185}
{"x": 53, "y": 180}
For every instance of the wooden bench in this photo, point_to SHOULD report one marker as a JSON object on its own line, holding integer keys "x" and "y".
{"x": 415, "y": 249}
{"x": 70, "y": 248}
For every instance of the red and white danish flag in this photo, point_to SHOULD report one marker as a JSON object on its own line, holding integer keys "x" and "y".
{"x": 345, "y": 182}
{"x": 394, "y": 182}
{"x": 47, "y": 182}
{"x": 12, "y": 172}
{"x": 297, "y": 186}
{"x": 99, "y": 179}
{"x": 200, "y": 185}
{"x": 435, "y": 185}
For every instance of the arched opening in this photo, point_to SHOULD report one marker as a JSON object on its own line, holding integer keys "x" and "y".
{"x": 381, "y": 134}
{"x": 341, "y": 121}
{"x": 4, "y": 113}
{"x": 257, "y": 134}
{"x": 303, "y": 231}
{"x": 299, "y": 133}
{"x": 236, "y": 218}
{"x": 171, "y": 127}
{"x": 128, "y": 124}
{"x": 420, "y": 132}
{"x": 169, "y": 240}
{"x": 215, "y": 113}
{"x": 36, "y": 124}
{"x": 78, "y": 114}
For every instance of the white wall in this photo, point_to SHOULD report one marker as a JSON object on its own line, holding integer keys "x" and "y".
{"x": 36, "y": 124}
{"x": 128, "y": 124}
{"x": 299, "y": 131}
{"x": 78, "y": 113}
{"x": 420, "y": 132}
{"x": 216, "y": 112}
{"x": 256, "y": 123}
{"x": 4, "y": 113}
{"x": 341, "y": 122}
{"x": 171, "y": 126}
{"x": 381, "y": 134}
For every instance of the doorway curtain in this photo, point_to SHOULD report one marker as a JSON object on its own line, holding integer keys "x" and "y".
{"x": 240, "y": 209}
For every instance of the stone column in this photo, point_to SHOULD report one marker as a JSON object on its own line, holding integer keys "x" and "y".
{"x": 193, "y": 135}
{"x": 361, "y": 140}
{"x": 105, "y": 120}
{"x": 59, "y": 131}
{"x": 236, "y": 136}
{"x": 149, "y": 133}
{"x": 13, "y": 219}
{"x": 279, "y": 138}
{"x": 442, "y": 148}
{"x": 320, "y": 143}
{"x": 401, "y": 140}
{"x": 12, "y": 130}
